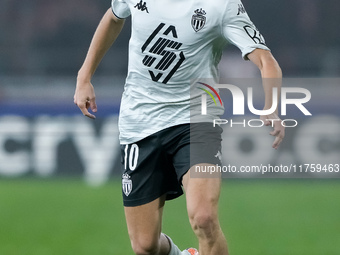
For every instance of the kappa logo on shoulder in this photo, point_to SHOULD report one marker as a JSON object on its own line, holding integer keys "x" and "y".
{"x": 241, "y": 9}
{"x": 141, "y": 6}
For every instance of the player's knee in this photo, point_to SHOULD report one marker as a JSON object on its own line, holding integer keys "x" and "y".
{"x": 144, "y": 247}
{"x": 204, "y": 224}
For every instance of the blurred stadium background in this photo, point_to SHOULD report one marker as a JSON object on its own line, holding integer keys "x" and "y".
{"x": 59, "y": 172}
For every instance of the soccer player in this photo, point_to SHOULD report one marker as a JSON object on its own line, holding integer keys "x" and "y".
{"x": 172, "y": 44}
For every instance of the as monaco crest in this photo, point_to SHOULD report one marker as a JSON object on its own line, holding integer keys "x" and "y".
{"x": 126, "y": 184}
{"x": 198, "y": 20}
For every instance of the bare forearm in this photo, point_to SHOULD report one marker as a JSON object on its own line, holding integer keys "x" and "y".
{"x": 271, "y": 78}
{"x": 271, "y": 74}
{"x": 106, "y": 33}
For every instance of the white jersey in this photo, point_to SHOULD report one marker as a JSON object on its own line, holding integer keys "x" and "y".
{"x": 172, "y": 43}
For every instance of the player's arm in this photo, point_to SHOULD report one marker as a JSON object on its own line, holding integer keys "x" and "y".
{"x": 272, "y": 78}
{"x": 106, "y": 33}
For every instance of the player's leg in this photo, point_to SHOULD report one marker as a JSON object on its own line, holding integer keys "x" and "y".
{"x": 144, "y": 228}
{"x": 147, "y": 176}
{"x": 202, "y": 195}
{"x": 202, "y": 144}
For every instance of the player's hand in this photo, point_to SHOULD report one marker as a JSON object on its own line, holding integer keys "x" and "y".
{"x": 274, "y": 121}
{"x": 85, "y": 98}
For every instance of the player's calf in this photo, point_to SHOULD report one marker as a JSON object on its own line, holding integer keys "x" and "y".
{"x": 202, "y": 195}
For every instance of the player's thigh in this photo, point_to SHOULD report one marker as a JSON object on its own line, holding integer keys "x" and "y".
{"x": 144, "y": 222}
{"x": 202, "y": 194}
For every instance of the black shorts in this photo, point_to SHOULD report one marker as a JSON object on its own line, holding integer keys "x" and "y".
{"x": 155, "y": 165}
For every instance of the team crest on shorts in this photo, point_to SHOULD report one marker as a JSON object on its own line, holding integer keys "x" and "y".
{"x": 126, "y": 184}
{"x": 198, "y": 20}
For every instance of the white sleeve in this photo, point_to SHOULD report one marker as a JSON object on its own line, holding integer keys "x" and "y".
{"x": 239, "y": 30}
{"x": 120, "y": 9}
